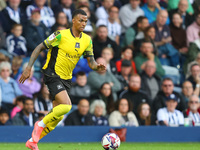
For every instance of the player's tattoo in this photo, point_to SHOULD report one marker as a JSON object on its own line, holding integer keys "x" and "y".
{"x": 92, "y": 63}
{"x": 35, "y": 54}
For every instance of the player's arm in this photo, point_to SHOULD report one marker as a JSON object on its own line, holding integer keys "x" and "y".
{"x": 25, "y": 75}
{"x": 93, "y": 64}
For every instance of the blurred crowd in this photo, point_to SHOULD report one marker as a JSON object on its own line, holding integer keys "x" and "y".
{"x": 151, "y": 49}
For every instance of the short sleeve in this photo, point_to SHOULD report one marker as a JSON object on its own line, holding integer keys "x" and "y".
{"x": 53, "y": 40}
{"x": 161, "y": 115}
{"x": 89, "y": 50}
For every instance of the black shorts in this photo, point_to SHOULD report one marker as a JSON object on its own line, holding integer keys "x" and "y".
{"x": 56, "y": 85}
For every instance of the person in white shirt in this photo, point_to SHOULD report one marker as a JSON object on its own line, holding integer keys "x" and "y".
{"x": 47, "y": 15}
{"x": 169, "y": 116}
{"x": 193, "y": 111}
{"x": 114, "y": 28}
{"x": 129, "y": 13}
{"x": 102, "y": 12}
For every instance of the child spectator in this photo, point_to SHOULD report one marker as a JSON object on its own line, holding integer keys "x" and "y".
{"x": 16, "y": 67}
{"x": 144, "y": 117}
{"x": 16, "y": 43}
{"x": 80, "y": 90}
{"x": 127, "y": 53}
{"x": 31, "y": 85}
{"x": 98, "y": 109}
{"x": 18, "y": 105}
{"x": 4, "y": 118}
{"x": 108, "y": 54}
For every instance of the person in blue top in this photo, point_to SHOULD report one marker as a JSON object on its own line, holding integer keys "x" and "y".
{"x": 151, "y": 10}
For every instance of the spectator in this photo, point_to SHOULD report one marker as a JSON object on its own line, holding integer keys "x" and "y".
{"x": 136, "y": 31}
{"x": 47, "y": 15}
{"x": 187, "y": 91}
{"x": 42, "y": 101}
{"x": 105, "y": 94}
{"x": 108, "y": 54}
{"x": 102, "y": 12}
{"x": 169, "y": 115}
{"x": 144, "y": 117}
{"x": 193, "y": 30}
{"x": 8, "y": 86}
{"x": 174, "y": 4}
{"x": 123, "y": 115}
{"x": 146, "y": 53}
{"x": 36, "y": 29}
{"x": 97, "y": 78}
{"x": 18, "y": 106}
{"x": 114, "y": 28}
{"x": 81, "y": 116}
{"x": 151, "y": 10}
{"x": 194, "y": 61}
{"x": 80, "y": 90}
{"x": 16, "y": 67}
{"x": 166, "y": 52}
{"x": 127, "y": 53}
{"x": 178, "y": 34}
{"x": 2, "y": 38}
{"x": 194, "y": 78}
{"x": 129, "y": 13}
{"x": 27, "y": 116}
{"x": 124, "y": 75}
{"x": 4, "y": 118}
{"x": 2, "y": 57}
{"x": 31, "y": 85}
{"x": 98, "y": 111}
{"x": 187, "y": 18}
{"x": 79, "y": 3}
{"x": 167, "y": 89}
{"x": 67, "y": 7}
{"x": 16, "y": 43}
{"x": 193, "y": 111}
{"x": 151, "y": 83}
{"x": 61, "y": 20}
{"x": 11, "y": 15}
{"x": 102, "y": 40}
{"x": 134, "y": 94}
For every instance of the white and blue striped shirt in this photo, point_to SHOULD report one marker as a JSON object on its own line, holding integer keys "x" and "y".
{"x": 47, "y": 15}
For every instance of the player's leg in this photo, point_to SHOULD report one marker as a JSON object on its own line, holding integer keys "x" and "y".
{"x": 63, "y": 107}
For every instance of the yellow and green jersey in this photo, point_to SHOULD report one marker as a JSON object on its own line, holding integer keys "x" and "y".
{"x": 64, "y": 52}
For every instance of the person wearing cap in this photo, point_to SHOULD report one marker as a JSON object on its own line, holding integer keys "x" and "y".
{"x": 134, "y": 92}
{"x": 151, "y": 82}
{"x": 169, "y": 115}
{"x": 125, "y": 73}
{"x": 167, "y": 88}
{"x": 47, "y": 15}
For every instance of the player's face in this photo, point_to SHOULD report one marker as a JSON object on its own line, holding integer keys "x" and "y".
{"x": 79, "y": 22}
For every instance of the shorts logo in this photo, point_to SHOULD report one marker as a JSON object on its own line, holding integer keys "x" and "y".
{"x": 77, "y": 45}
{"x": 59, "y": 86}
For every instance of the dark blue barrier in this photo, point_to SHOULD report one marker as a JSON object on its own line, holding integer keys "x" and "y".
{"x": 94, "y": 134}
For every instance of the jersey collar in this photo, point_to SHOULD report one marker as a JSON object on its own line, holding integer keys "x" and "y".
{"x": 73, "y": 34}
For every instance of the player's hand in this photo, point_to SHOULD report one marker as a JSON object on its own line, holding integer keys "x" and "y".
{"x": 25, "y": 75}
{"x": 101, "y": 67}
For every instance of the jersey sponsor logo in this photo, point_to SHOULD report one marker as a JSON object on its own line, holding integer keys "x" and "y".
{"x": 77, "y": 45}
{"x": 73, "y": 56}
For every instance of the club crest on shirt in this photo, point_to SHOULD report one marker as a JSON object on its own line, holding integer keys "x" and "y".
{"x": 77, "y": 45}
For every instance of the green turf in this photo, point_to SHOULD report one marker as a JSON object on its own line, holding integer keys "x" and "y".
{"x": 97, "y": 146}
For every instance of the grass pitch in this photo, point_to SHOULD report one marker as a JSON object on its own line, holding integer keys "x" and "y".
{"x": 97, "y": 146}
